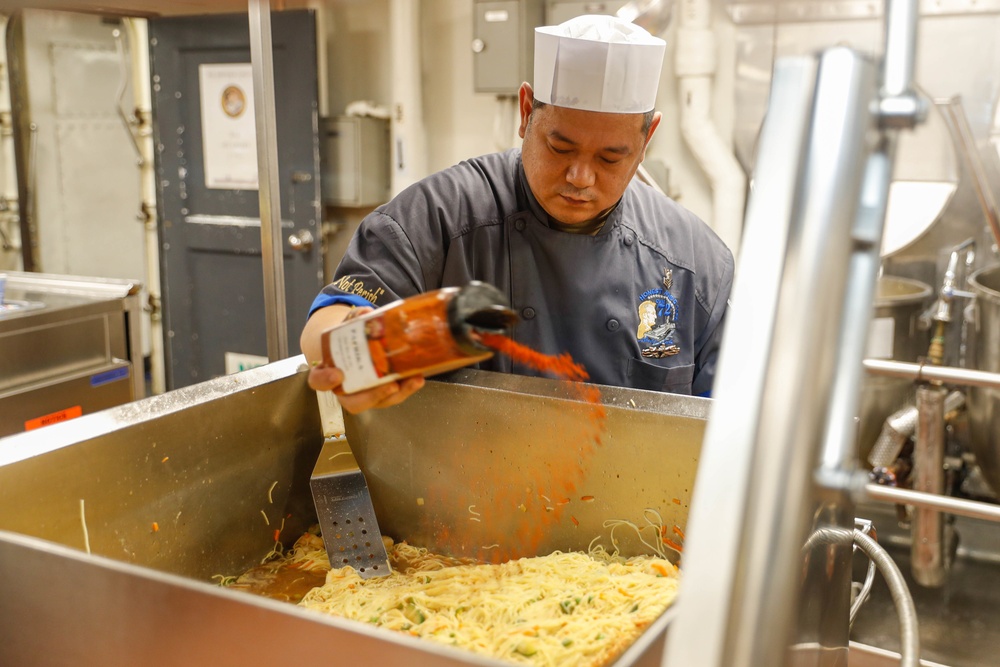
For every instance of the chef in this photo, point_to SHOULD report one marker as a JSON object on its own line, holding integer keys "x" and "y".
{"x": 596, "y": 264}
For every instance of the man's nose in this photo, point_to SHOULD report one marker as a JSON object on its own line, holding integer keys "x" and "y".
{"x": 580, "y": 175}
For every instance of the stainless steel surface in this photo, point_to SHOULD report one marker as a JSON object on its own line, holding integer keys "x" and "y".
{"x": 61, "y": 607}
{"x": 929, "y": 555}
{"x": 923, "y": 373}
{"x": 956, "y": 56}
{"x": 974, "y": 163}
{"x": 472, "y": 462}
{"x": 344, "y": 509}
{"x": 262, "y": 64}
{"x": 754, "y": 497}
{"x": 199, "y": 463}
{"x": 948, "y": 504}
{"x": 208, "y": 462}
{"x": 862, "y": 655}
{"x": 74, "y": 347}
{"x": 895, "y": 334}
{"x": 984, "y": 400}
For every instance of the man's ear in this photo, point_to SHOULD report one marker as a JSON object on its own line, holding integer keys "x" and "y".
{"x": 525, "y": 101}
{"x": 649, "y": 135}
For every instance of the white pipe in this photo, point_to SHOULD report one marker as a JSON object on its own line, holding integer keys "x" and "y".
{"x": 409, "y": 154}
{"x": 8, "y": 190}
{"x": 695, "y": 67}
{"x": 138, "y": 37}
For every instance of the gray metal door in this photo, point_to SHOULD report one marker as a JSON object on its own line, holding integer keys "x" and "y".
{"x": 211, "y": 266}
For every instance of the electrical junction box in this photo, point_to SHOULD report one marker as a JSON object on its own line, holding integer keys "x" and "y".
{"x": 558, "y": 11}
{"x": 503, "y": 44}
{"x": 355, "y": 161}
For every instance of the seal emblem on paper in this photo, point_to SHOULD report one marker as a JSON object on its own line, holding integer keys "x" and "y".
{"x": 658, "y": 313}
{"x": 234, "y": 101}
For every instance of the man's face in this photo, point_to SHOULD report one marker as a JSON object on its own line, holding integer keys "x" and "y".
{"x": 578, "y": 163}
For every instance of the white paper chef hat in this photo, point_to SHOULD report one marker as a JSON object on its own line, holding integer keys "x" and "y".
{"x": 597, "y": 63}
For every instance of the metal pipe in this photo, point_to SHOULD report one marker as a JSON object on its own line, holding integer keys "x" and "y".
{"x": 718, "y": 509}
{"x": 947, "y": 504}
{"x": 262, "y": 65}
{"x": 739, "y": 596}
{"x": 924, "y": 373}
{"x": 908, "y": 627}
{"x": 839, "y": 448}
{"x": 138, "y": 36}
{"x": 927, "y": 527}
{"x": 8, "y": 190}
{"x": 695, "y": 66}
{"x": 900, "y": 47}
{"x": 24, "y": 138}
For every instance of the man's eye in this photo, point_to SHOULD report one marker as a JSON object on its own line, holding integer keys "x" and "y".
{"x": 608, "y": 160}
{"x": 561, "y": 151}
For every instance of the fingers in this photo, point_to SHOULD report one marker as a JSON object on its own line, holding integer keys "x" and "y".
{"x": 383, "y": 396}
{"x": 325, "y": 378}
{"x": 407, "y": 388}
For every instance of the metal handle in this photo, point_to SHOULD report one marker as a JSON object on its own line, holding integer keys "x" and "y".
{"x": 301, "y": 241}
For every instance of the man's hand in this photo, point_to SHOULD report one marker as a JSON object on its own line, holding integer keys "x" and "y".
{"x": 383, "y": 396}
{"x": 329, "y": 378}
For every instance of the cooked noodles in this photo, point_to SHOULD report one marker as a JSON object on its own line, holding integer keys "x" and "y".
{"x": 561, "y": 609}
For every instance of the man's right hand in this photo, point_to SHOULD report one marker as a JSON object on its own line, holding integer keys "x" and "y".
{"x": 329, "y": 378}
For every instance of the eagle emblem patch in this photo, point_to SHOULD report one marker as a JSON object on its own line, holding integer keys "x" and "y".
{"x": 657, "y": 332}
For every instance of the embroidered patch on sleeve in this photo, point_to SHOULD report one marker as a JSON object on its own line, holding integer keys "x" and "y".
{"x": 353, "y": 285}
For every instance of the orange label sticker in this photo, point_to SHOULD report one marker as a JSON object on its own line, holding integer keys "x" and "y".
{"x": 54, "y": 418}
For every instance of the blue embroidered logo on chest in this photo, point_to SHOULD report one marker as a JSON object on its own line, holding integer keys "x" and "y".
{"x": 658, "y": 312}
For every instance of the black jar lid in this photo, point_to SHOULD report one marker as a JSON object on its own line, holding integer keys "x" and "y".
{"x": 478, "y": 307}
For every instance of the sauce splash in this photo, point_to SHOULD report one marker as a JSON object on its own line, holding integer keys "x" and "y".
{"x": 517, "y": 503}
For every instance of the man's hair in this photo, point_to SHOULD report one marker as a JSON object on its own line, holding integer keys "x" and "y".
{"x": 647, "y": 118}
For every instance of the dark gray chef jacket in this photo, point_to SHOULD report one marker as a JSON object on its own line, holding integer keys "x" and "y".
{"x": 640, "y": 304}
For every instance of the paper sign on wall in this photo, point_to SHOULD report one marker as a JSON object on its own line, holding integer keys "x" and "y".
{"x": 228, "y": 128}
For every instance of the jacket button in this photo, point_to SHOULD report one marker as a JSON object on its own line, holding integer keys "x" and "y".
{"x": 628, "y": 240}
{"x": 613, "y": 325}
{"x": 528, "y": 313}
{"x": 519, "y": 224}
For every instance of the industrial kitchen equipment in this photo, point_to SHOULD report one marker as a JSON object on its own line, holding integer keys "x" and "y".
{"x": 69, "y": 346}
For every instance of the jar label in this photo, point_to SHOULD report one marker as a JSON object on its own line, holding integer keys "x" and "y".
{"x": 349, "y": 346}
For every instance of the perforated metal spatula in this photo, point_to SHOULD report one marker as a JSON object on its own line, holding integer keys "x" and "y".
{"x": 343, "y": 502}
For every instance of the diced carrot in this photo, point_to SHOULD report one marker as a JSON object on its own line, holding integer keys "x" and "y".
{"x": 673, "y": 545}
{"x": 277, "y": 534}
{"x": 574, "y": 520}
{"x": 156, "y": 527}
{"x": 678, "y": 532}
